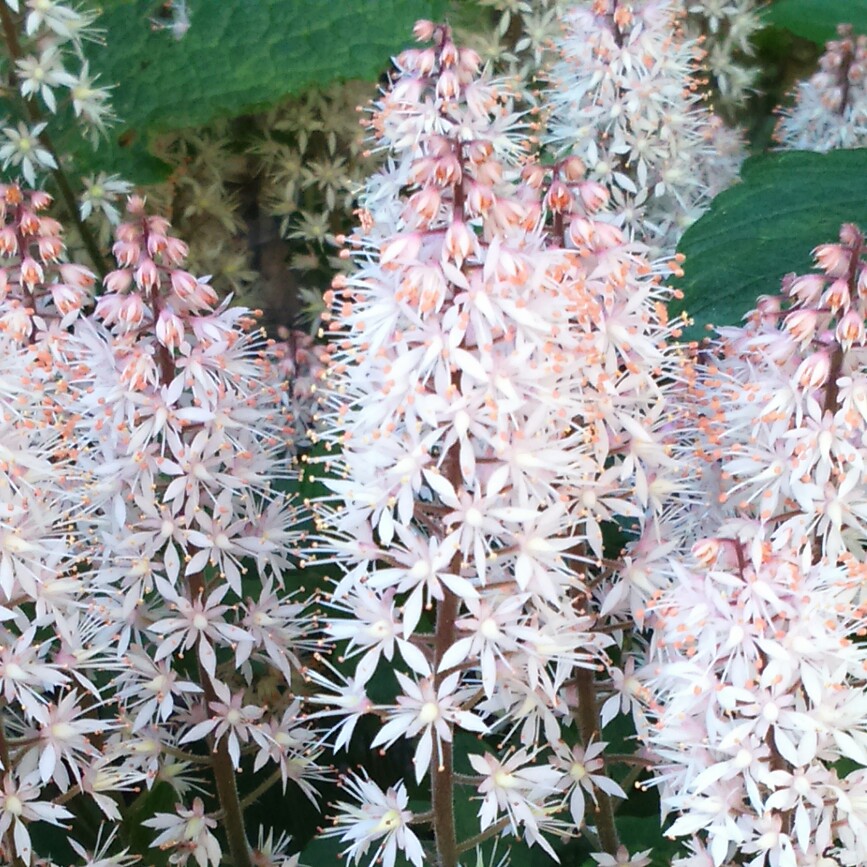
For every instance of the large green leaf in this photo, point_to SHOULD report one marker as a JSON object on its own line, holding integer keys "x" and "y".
{"x": 817, "y": 20}
{"x": 239, "y": 55}
{"x": 766, "y": 226}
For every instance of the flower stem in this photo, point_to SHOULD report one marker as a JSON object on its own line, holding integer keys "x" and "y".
{"x": 588, "y": 723}
{"x": 221, "y": 764}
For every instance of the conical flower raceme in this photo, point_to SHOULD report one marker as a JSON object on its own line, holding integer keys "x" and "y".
{"x": 756, "y": 653}
{"x": 493, "y": 399}
{"x": 830, "y": 108}
{"x": 624, "y": 98}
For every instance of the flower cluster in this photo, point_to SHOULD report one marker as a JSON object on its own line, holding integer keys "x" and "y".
{"x": 755, "y": 654}
{"x": 726, "y": 29}
{"x": 50, "y": 67}
{"x": 493, "y": 400}
{"x": 624, "y": 98}
{"x": 830, "y": 109}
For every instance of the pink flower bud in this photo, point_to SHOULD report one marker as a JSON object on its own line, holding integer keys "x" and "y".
{"x": 706, "y": 551}
{"x": 850, "y": 329}
{"x": 67, "y": 299}
{"x": 400, "y": 249}
{"x": 806, "y": 289}
{"x": 593, "y": 195}
{"x": 28, "y": 221}
{"x": 175, "y": 251}
{"x": 801, "y": 324}
{"x": 559, "y": 198}
{"x": 50, "y": 249}
{"x": 836, "y": 297}
{"x": 459, "y": 242}
{"x": 31, "y": 272}
{"x": 118, "y": 281}
{"x": 146, "y": 275}
{"x": 833, "y": 259}
{"x": 126, "y": 252}
{"x": 814, "y": 370}
{"x": 77, "y": 275}
{"x": 8, "y": 241}
{"x": 139, "y": 370}
{"x": 170, "y": 329}
{"x": 448, "y": 86}
{"x": 423, "y": 30}
{"x": 573, "y": 168}
{"x": 130, "y": 312}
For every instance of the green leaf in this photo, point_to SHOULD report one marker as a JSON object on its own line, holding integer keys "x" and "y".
{"x": 817, "y": 20}
{"x": 765, "y": 227}
{"x": 243, "y": 55}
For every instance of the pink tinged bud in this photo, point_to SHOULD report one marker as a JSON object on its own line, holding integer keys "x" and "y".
{"x": 480, "y": 199}
{"x": 16, "y": 323}
{"x": 129, "y": 232}
{"x": 170, "y": 329}
{"x": 28, "y": 222}
{"x": 833, "y": 259}
{"x": 126, "y": 252}
{"x": 608, "y": 236}
{"x": 118, "y": 281}
{"x": 50, "y": 226}
{"x": 448, "y": 54}
{"x": 559, "y": 198}
{"x": 67, "y": 299}
{"x": 850, "y": 329}
{"x": 469, "y": 61}
{"x": 801, "y": 324}
{"x": 862, "y": 281}
{"x": 135, "y": 204}
{"x": 423, "y": 30}
{"x": 807, "y": 289}
{"x": 447, "y": 170}
{"x": 8, "y": 241}
{"x": 183, "y": 284}
{"x": 426, "y": 203}
{"x": 131, "y": 312}
{"x": 850, "y": 235}
{"x": 459, "y": 242}
{"x": 448, "y": 86}
{"x": 581, "y": 231}
{"x": 175, "y": 251}
{"x": 205, "y": 295}
{"x": 593, "y": 195}
{"x": 837, "y": 296}
{"x": 156, "y": 243}
{"x": 146, "y": 275}
{"x": 478, "y": 152}
{"x": 814, "y": 370}
{"x": 31, "y": 272}
{"x": 140, "y": 370}
{"x": 50, "y": 249}
{"x": 401, "y": 249}
{"x": 573, "y": 168}
{"x": 39, "y": 200}
{"x": 108, "y": 307}
{"x": 533, "y": 175}
{"x": 77, "y": 275}
{"x": 769, "y": 306}
{"x": 706, "y": 551}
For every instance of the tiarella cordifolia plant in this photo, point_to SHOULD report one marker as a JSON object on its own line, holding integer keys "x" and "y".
{"x": 830, "y": 109}
{"x": 184, "y": 434}
{"x": 624, "y": 98}
{"x": 494, "y": 401}
{"x": 757, "y": 659}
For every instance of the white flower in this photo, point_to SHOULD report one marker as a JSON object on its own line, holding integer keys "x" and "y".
{"x": 24, "y": 149}
{"x": 380, "y": 818}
